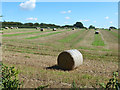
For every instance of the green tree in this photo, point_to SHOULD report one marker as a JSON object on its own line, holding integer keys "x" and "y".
{"x": 91, "y": 27}
{"x": 78, "y": 25}
{"x": 36, "y": 24}
{"x": 112, "y": 27}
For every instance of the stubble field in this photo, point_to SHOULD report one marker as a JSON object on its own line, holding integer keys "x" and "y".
{"x": 34, "y": 54}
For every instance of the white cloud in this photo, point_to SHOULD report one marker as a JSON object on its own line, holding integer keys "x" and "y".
{"x": 64, "y": 12}
{"x": 111, "y": 22}
{"x": 94, "y": 21}
{"x": 69, "y": 11}
{"x": 84, "y": 20}
{"x": 32, "y": 19}
{"x": 106, "y": 17}
{"x": 28, "y": 5}
{"x": 67, "y": 17}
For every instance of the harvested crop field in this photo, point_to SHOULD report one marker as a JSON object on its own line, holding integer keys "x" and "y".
{"x": 34, "y": 54}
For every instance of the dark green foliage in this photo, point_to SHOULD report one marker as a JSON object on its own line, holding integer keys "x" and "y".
{"x": 74, "y": 86}
{"x": 86, "y": 28}
{"x": 68, "y": 26}
{"x": 112, "y": 27}
{"x": 113, "y": 82}
{"x": 91, "y": 27}
{"x": 78, "y": 25}
{"x": 28, "y": 25}
{"x": 98, "y": 41}
{"x": 10, "y": 78}
{"x": 36, "y": 24}
{"x": 9, "y": 24}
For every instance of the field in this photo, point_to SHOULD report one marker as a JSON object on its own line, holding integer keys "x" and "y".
{"x": 34, "y": 54}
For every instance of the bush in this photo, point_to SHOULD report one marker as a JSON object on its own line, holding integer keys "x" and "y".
{"x": 113, "y": 82}
{"x": 10, "y": 78}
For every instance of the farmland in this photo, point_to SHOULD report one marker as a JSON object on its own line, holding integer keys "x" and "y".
{"x": 34, "y": 54}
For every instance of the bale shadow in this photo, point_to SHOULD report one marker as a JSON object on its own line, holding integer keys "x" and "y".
{"x": 56, "y": 67}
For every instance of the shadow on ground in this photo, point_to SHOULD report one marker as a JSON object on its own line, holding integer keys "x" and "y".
{"x": 56, "y": 67}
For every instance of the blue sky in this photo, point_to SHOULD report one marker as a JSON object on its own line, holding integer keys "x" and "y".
{"x": 99, "y": 14}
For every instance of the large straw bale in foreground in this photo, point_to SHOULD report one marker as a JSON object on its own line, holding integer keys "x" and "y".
{"x": 70, "y": 59}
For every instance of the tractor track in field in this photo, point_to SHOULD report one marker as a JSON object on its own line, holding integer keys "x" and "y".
{"x": 87, "y": 40}
{"x": 110, "y": 40}
{"x": 79, "y": 38}
{"x": 30, "y": 34}
{"x": 106, "y": 46}
{"x": 19, "y": 32}
{"x": 116, "y": 31}
{"x": 55, "y": 37}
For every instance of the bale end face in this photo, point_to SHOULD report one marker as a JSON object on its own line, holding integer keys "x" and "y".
{"x": 110, "y": 29}
{"x": 96, "y": 32}
{"x": 65, "y": 61}
{"x": 69, "y": 59}
{"x": 42, "y": 30}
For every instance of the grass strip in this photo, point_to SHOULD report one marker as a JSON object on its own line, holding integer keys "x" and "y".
{"x": 70, "y": 37}
{"x": 38, "y": 36}
{"x": 89, "y": 48}
{"x": 9, "y": 35}
{"x": 98, "y": 41}
{"x": 115, "y": 34}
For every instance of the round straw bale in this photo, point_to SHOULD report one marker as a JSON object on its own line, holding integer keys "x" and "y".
{"x": 6, "y": 27}
{"x": 54, "y": 29}
{"x": 42, "y": 29}
{"x": 73, "y": 29}
{"x": 70, "y": 59}
{"x": 37, "y": 27}
{"x": 110, "y": 29}
{"x": 11, "y": 27}
{"x": 96, "y": 32}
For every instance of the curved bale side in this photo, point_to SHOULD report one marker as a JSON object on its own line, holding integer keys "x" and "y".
{"x": 11, "y": 27}
{"x": 6, "y": 27}
{"x": 54, "y": 29}
{"x": 70, "y": 59}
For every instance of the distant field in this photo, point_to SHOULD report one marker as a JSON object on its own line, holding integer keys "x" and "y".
{"x": 35, "y": 54}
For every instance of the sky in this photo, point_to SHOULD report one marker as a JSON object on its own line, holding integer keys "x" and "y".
{"x": 99, "y": 14}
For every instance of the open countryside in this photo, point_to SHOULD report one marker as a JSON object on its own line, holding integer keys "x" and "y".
{"x": 32, "y": 38}
{"x": 35, "y": 55}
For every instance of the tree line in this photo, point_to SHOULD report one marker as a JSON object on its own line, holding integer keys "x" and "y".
{"x": 44, "y": 25}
